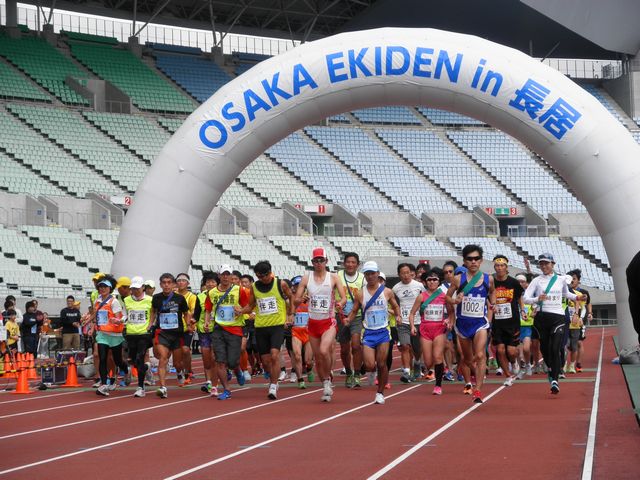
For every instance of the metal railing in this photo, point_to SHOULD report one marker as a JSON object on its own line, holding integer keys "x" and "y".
{"x": 340, "y": 229}
{"x": 531, "y": 230}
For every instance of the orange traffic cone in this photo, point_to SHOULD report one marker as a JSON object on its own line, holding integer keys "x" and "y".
{"x": 22, "y": 387}
{"x": 10, "y": 367}
{"x": 31, "y": 369}
{"x": 72, "y": 375}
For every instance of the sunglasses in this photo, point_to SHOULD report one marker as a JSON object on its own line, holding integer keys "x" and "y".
{"x": 433, "y": 279}
{"x": 447, "y": 272}
{"x": 318, "y": 260}
{"x": 473, "y": 259}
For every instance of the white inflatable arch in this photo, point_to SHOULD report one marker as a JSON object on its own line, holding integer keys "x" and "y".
{"x": 503, "y": 87}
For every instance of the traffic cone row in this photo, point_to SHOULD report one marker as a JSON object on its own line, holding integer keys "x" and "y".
{"x": 22, "y": 386}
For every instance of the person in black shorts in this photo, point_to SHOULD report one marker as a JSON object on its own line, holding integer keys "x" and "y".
{"x": 167, "y": 311}
{"x": 505, "y": 329}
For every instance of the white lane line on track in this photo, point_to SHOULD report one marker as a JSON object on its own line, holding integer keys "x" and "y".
{"x": 156, "y": 432}
{"x": 105, "y": 417}
{"x": 423, "y": 442}
{"x": 280, "y": 437}
{"x": 40, "y": 397}
{"x": 29, "y": 412}
{"x": 587, "y": 469}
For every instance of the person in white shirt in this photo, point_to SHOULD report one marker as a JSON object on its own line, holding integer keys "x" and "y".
{"x": 547, "y": 291}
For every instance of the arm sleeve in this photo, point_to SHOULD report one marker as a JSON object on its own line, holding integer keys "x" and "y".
{"x": 530, "y": 294}
{"x": 244, "y": 297}
{"x": 208, "y": 305}
{"x": 568, "y": 293}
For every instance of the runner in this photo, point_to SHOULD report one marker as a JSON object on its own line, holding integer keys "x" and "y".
{"x": 437, "y": 318}
{"x": 109, "y": 320}
{"x": 271, "y": 296}
{"x": 451, "y": 351}
{"x": 226, "y": 302}
{"x": 349, "y": 334}
{"x": 406, "y": 292}
{"x": 474, "y": 293}
{"x": 320, "y": 285}
{"x": 182, "y": 281}
{"x": 167, "y": 313}
{"x": 527, "y": 359}
{"x": 505, "y": 329}
{"x": 301, "y": 349}
{"x": 208, "y": 283}
{"x": 138, "y": 330}
{"x": 580, "y": 313}
{"x": 547, "y": 290}
{"x": 250, "y": 334}
{"x": 375, "y": 300}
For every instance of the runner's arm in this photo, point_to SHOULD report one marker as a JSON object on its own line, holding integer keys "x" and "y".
{"x": 414, "y": 310}
{"x": 391, "y": 298}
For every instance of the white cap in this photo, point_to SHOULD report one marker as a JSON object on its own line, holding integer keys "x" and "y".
{"x": 225, "y": 268}
{"x": 370, "y": 266}
{"x": 150, "y": 284}
{"x": 137, "y": 282}
{"x": 382, "y": 276}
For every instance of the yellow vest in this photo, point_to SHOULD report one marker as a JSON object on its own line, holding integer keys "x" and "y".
{"x": 138, "y": 315}
{"x": 202, "y": 298}
{"x": 272, "y": 308}
{"x": 191, "y": 299}
{"x": 528, "y": 320}
{"x": 225, "y": 315}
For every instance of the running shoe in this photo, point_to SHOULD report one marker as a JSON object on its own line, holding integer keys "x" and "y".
{"x": 572, "y": 369}
{"x": 417, "y": 373}
{"x": 529, "y": 369}
{"x": 356, "y": 382}
{"x": 273, "y": 391}
{"x": 240, "y": 377}
{"x": 311, "y": 376}
{"x": 404, "y": 378}
{"x": 448, "y": 376}
{"x": 430, "y": 376}
{"x": 226, "y": 395}
{"x": 214, "y": 392}
{"x": 229, "y": 375}
{"x": 162, "y": 392}
{"x": 187, "y": 379}
{"x": 180, "y": 380}
{"x": 477, "y": 396}
{"x": 325, "y": 398}
{"x": 111, "y": 384}
{"x": 515, "y": 368}
{"x": 172, "y": 370}
{"x": 343, "y": 371}
{"x": 149, "y": 379}
{"x": 562, "y": 375}
{"x": 509, "y": 381}
{"x": 301, "y": 385}
{"x": 521, "y": 374}
{"x": 379, "y": 399}
{"x": 499, "y": 371}
{"x": 555, "y": 387}
{"x": 103, "y": 390}
{"x": 578, "y": 368}
{"x": 349, "y": 381}
{"x": 247, "y": 376}
{"x": 468, "y": 389}
{"x": 493, "y": 363}
{"x": 293, "y": 378}
{"x": 387, "y": 386}
{"x": 140, "y": 392}
{"x": 327, "y": 389}
{"x": 97, "y": 384}
{"x": 282, "y": 376}
{"x": 437, "y": 390}
{"x": 206, "y": 388}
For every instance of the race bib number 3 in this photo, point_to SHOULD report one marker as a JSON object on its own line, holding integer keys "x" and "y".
{"x": 137, "y": 317}
{"x": 225, "y": 314}
{"x": 168, "y": 321}
{"x": 267, "y": 305}
{"x": 301, "y": 319}
{"x": 503, "y": 311}
{"x": 473, "y": 307}
{"x": 320, "y": 305}
{"x": 102, "y": 318}
{"x": 376, "y": 319}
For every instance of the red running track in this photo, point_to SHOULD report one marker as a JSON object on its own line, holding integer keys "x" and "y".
{"x": 522, "y": 430}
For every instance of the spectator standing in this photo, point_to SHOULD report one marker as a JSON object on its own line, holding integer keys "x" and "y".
{"x": 70, "y": 322}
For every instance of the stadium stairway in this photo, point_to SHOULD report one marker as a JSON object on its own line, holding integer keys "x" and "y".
{"x": 585, "y": 253}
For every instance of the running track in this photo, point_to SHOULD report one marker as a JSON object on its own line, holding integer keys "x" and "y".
{"x": 522, "y": 429}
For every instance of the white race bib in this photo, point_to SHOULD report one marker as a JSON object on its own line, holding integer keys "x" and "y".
{"x": 473, "y": 307}
{"x": 553, "y": 300}
{"x": 137, "y": 317}
{"x": 503, "y": 311}
{"x": 433, "y": 313}
{"x": 301, "y": 319}
{"x": 3, "y": 334}
{"x": 320, "y": 305}
{"x": 168, "y": 321}
{"x": 225, "y": 313}
{"x": 376, "y": 319}
{"x": 267, "y": 305}
{"x": 102, "y": 318}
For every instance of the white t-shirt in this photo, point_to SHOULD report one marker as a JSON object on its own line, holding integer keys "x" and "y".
{"x": 407, "y": 294}
{"x": 553, "y": 303}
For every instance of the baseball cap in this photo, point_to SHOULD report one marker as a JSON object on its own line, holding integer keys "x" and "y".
{"x": 296, "y": 280}
{"x": 521, "y": 277}
{"x": 370, "y": 266}
{"x": 123, "y": 282}
{"x": 137, "y": 282}
{"x": 318, "y": 252}
{"x": 105, "y": 282}
{"x": 546, "y": 257}
{"x": 460, "y": 270}
{"x": 382, "y": 275}
{"x": 149, "y": 283}
{"x": 225, "y": 268}
{"x": 97, "y": 276}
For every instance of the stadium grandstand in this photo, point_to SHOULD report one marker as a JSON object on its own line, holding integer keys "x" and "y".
{"x": 388, "y": 182}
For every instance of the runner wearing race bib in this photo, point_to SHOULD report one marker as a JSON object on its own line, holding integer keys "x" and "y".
{"x": 183, "y": 280}
{"x": 406, "y": 292}
{"x": 138, "y": 306}
{"x": 579, "y": 313}
{"x": 319, "y": 286}
{"x": 208, "y": 283}
{"x": 375, "y": 300}
{"x": 300, "y": 338}
{"x": 526, "y": 346}
{"x": 547, "y": 291}
{"x": 505, "y": 329}
{"x": 437, "y": 317}
{"x": 472, "y": 290}
{"x": 168, "y": 310}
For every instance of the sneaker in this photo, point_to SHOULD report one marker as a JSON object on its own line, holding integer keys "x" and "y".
{"x": 247, "y": 376}
{"x": 477, "y": 396}
{"x": 162, "y": 392}
{"x": 371, "y": 378}
{"x": 111, "y": 384}
{"x": 172, "y": 370}
{"x": 387, "y": 386}
{"x": 521, "y": 374}
{"x": 214, "y": 392}
{"x": 206, "y": 388}
{"x": 437, "y": 390}
{"x": 356, "y": 382}
{"x": 404, "y": 378}
{"x": 140, "y": 392}
{"x": 97, "y": 384}
{"x": 187, "y": 379}
{"x": 515, "y": 368}
{"x": 509, "y": 381}
{"x": 240, "y": 377}
{"x": 310, "y": 376}
{"x": 301, "y": 385}
{"x": 282, "y": 376}
{"x": 572, "y": 369}
{"x": 529, "y": 369}
{"x": 226, "y": 395}
{"x": 493, "y": 363}
{"x": 562, "y": 375}
{"x": 430, "y": 376}
{"x": 417, "y": 373}
{"x": 293, "y": 378}
{"x": 379, "y": 399}
{"x": 325, "y": 398}
{"x": 103, "y": 390}
{"x": 273, "y": 391}
{"x": 468, "y": 389}
{"x": 349, "y": 381}
{"x": 555, "y": 387}
{"x": 327, "y": 389}
{"x": 229, "y": 375}
{"x": 343, "y": 371}
{"x": 578, "y": 368}
{"x": 448, "y": 376}
{"x": 499, "y": 371}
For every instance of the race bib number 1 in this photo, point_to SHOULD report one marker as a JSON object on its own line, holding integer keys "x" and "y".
{"x": 376, "y": 319}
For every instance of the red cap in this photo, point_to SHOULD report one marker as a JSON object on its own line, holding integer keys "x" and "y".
{"x": 319, "y": 252}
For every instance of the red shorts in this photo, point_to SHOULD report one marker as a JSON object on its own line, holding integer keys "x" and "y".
{"x": 430, "y": 330}
{"x": 301, "y": 333}
{"x": 318, "y": 327}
